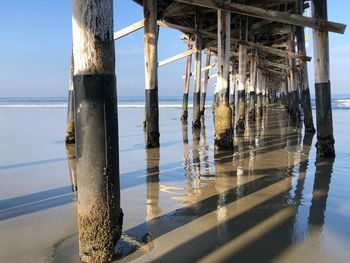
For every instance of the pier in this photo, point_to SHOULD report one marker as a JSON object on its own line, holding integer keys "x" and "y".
{"x": 261, "y": 106}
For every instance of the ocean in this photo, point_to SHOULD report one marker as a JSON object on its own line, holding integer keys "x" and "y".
{"x": 339, "y": 101}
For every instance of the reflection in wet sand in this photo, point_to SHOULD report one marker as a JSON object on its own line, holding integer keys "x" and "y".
{"x": 152, "y": 183}
{"x": 252, "y": 203}
{"x": 245, "y": 205}
{"x": 72, "y": 166}
{"x": 186, "y": 158}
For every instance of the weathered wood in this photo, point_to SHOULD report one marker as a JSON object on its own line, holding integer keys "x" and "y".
{"x": 242, "y": 68}
{"x": 129, "y": 29}
{"x": 259, "y": 90}
{"x": 151, "y": 72}
{"x": 198, "y": 64}
{"x": 276, "y": 72}
{"x": 205, "y": 83}
{"x": 263, "y": 62}
{"x": 223, "y": 133}
{"x": 294, "y": 99}
{"x": 304, "y": 81}
{"x": 176, "y": 57}
{"x": 267, "y": 49}
{"x": 187, "y": 86}
{"x": 276, "y": 51}
{"x": 173, "y": 9}
{"x": 232, "y": 90}
{"x": 303, "y": 75}
{"x": 252, "y": 92}
{"x": 283, "y": 93}
{"x": 277, "y": 16}
{"x": 325, "y": 139}
{"x": 210, "y": 66}
{"x": 203, "y": 70}
{"x": 95, "y": 121}
{"x": 264, "y": 93}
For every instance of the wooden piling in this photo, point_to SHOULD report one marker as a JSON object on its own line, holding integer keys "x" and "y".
{"x": 70, "y": 132}
{"x": 196, "y": 122}
{"x": 205, "y": 84}
{"x": 304, "y": 78}
{"x": 259, "y": 90}
{"x": 184, "y": 115}
{"x": 151, "y": 31}
{"x": 325, "y": 139}
{"x": 294, "y": 100}
{"x": 265, "y": 102}
{"x": 96, "y": 129}
{"x": 252, "y": 93}
{"x": 232, "y": 91}
{"x": 242, "y": 68}
{"x": 283, "y": 93}
{"x": 223, "y": 133}
{"x": 215, "y": 90}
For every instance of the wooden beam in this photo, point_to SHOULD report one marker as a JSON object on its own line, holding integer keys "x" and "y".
{"x": 277, "y": 52}
{"x": 129, "y": 29}
{"x": 273, "y": 64}
{"x": 209, "y": 67}
{"x": 176, "y": 57}
{"x": 260, "y": 47}
{"x": 172, "y": 10}
{"x": 274, "y": 77}
{"x": 277, "y": 16}
{"x": 274, "y": 71}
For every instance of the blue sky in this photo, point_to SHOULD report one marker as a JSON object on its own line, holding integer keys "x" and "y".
{"x": 35, "y": 47}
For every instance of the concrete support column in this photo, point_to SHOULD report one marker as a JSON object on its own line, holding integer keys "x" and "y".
{"x": 96, "y": 129}
{"x": 325, "y": 139}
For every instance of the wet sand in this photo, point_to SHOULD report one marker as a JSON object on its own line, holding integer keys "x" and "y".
{"x": 271, "y": 200}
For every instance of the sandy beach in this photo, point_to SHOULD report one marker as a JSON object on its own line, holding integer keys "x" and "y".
{"x": 271, "y": 200}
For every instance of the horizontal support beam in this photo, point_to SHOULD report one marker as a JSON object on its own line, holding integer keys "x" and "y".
{"x": 209, "y": 67}
{"x": 277, "y": 16}
{"x": 278, "y": 52}
{"x": 275, "y": 77}
{"x": 274, "y": 64}
{"x": 176, "y": 57}
{"x": 279, "y": 73}
{"x": 267, "y": 49}
{"x": 128, "y": 30}
{"x": 203, "y": 69}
